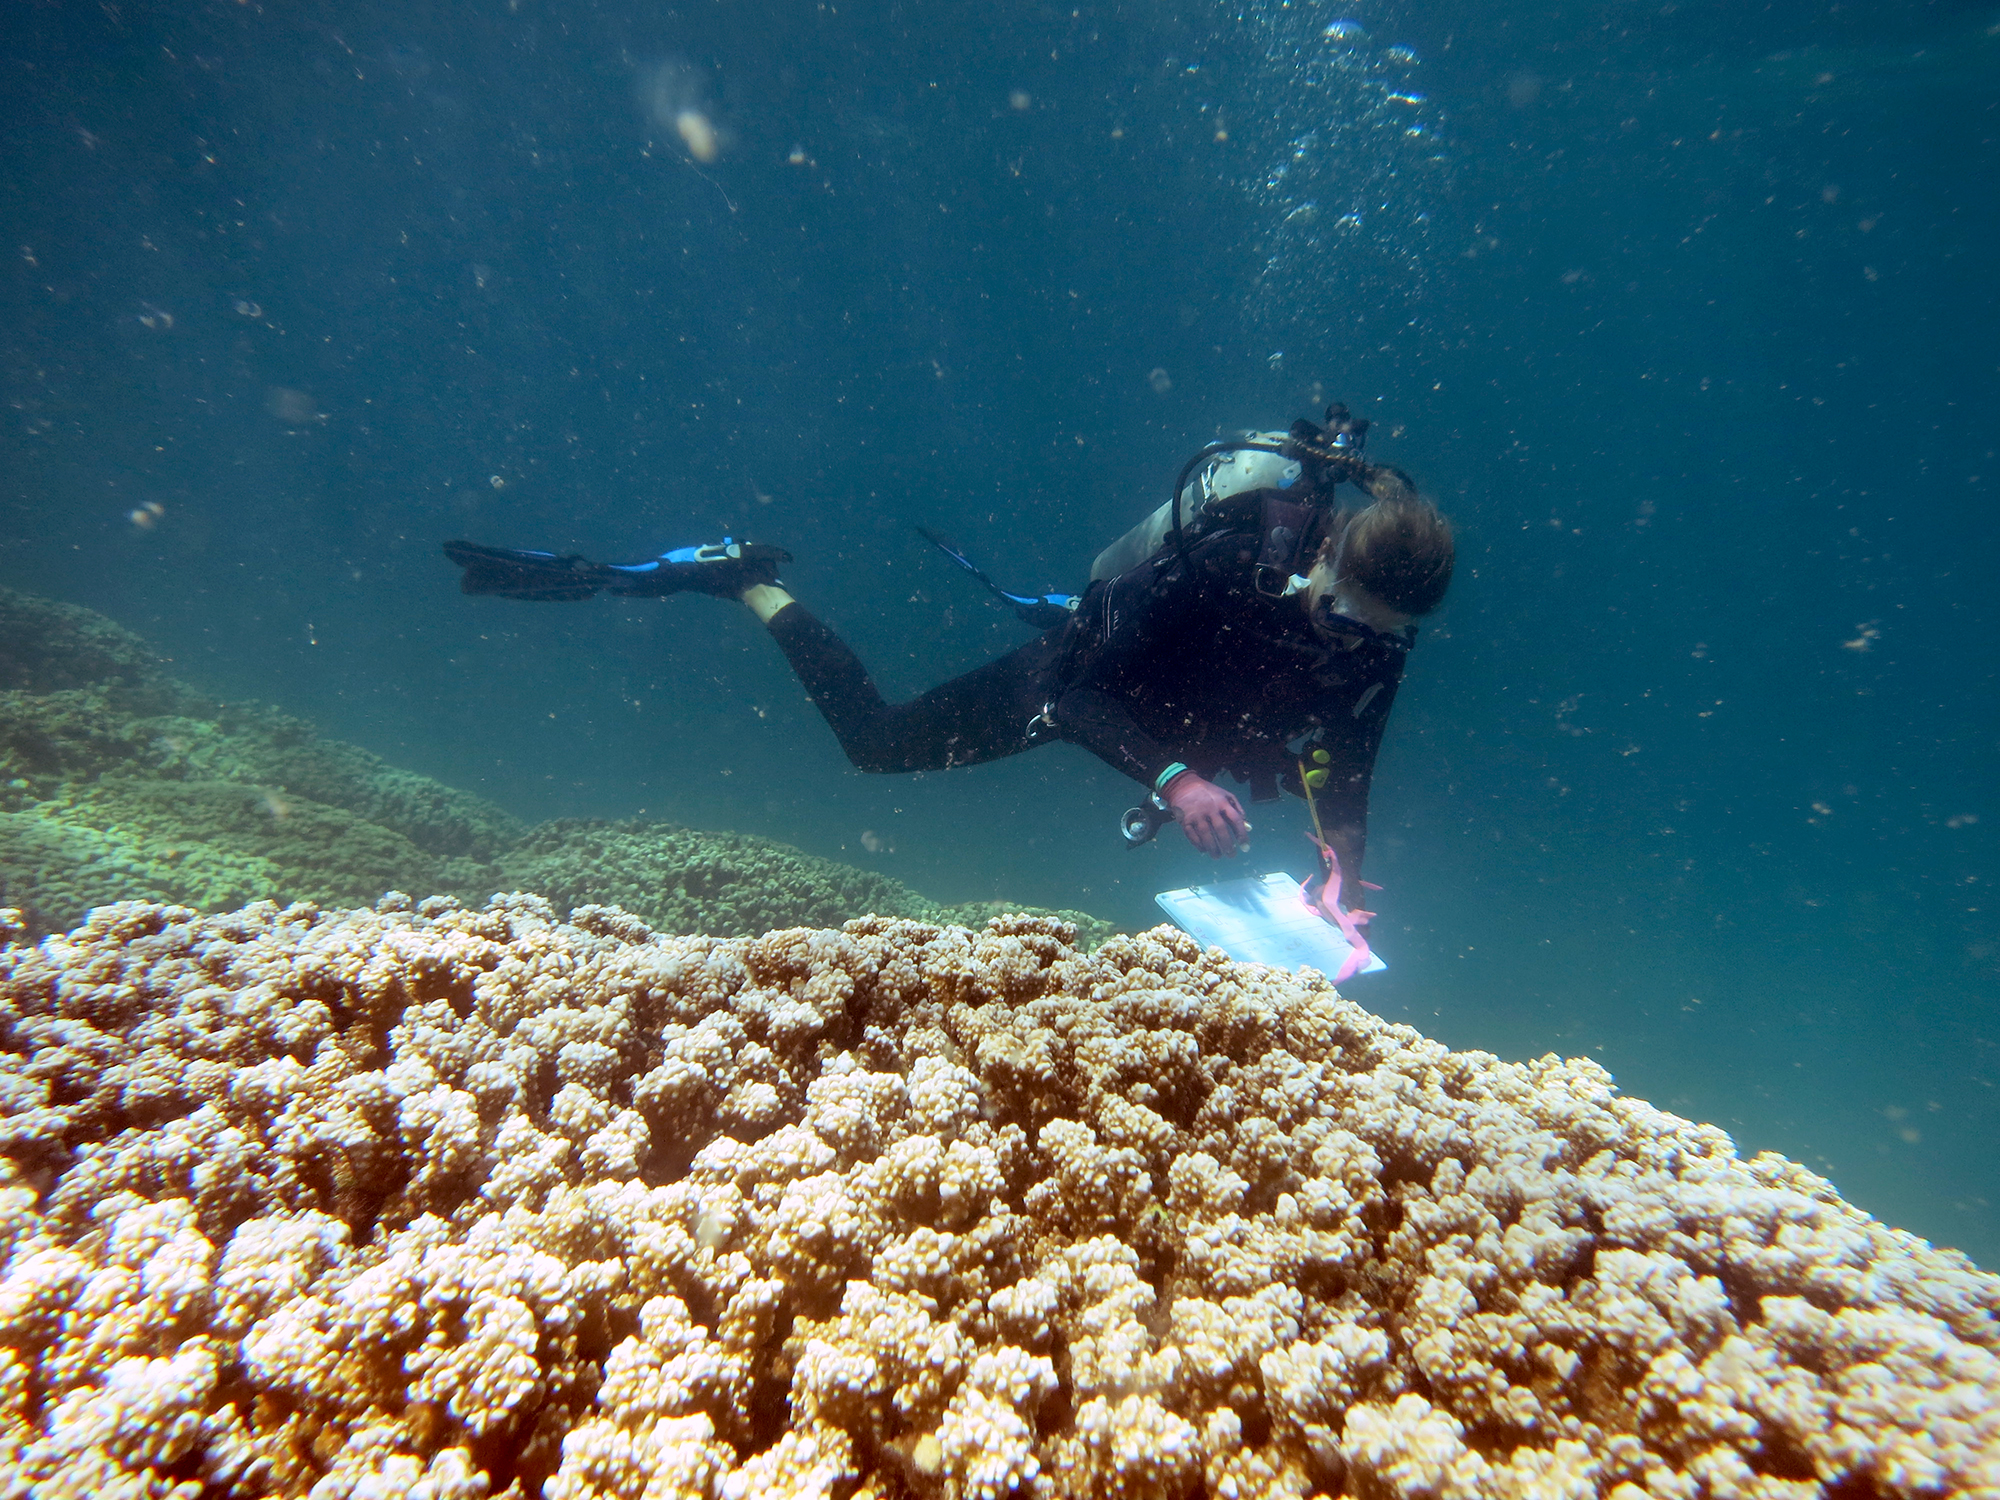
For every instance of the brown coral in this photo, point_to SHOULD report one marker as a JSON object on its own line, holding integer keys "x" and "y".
{"x": 446, "y": 1203}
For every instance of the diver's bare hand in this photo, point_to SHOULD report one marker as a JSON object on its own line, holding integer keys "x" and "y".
{"x": 1211, "y": 818}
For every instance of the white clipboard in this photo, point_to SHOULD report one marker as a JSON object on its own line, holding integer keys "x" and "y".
{"x": 1261, "y": 920}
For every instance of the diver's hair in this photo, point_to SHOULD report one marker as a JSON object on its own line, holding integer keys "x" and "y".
{"x": 1399, "y": 549}
{"x": 1387, "y": 482}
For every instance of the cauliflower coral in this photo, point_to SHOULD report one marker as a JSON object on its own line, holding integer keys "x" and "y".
{"x": 432, "y": 1202}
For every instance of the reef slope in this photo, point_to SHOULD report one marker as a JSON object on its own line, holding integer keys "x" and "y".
{"x": 120, "y": 783}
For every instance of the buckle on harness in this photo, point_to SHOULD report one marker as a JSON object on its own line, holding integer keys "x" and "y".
{"x": 1277, "y": 583}
{"x": 1044, "y": 721}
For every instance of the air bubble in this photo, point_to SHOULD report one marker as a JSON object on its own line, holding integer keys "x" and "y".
{"x": 1348, "y": 166}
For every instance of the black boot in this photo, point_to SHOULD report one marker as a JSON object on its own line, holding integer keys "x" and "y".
{"x": 724, "y": 569}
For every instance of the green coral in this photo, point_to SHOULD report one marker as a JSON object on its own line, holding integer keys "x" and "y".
{"x": 51, "y": 741}
{"x": 52, "y": 871}
{"x": 324, "y": 853}
{"x": 118, "y": 783}
{"x": 728, "y": 884}
{"x": 247, "y": 742}
{"x": 48, "y": 739}
{"x": 47, "y": 647}
{"x": 1090, "y": 931}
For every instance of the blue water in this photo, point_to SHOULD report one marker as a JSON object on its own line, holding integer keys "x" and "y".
{"x": 1685, "y": 312}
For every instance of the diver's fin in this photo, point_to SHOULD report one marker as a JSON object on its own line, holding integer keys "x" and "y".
{"x": 944, "y": 545}
{"x": 516, "y": 574}
{"x": 1042, "y": 611}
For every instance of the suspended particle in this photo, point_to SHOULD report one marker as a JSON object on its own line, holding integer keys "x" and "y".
{"x": 295, "y": 408}
{"x": 698, "y": 134}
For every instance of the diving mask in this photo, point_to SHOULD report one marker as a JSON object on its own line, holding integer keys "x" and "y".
{"x": 1334, "y": 626}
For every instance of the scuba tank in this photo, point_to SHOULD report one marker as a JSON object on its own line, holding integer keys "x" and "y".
{"x": 1230, "y": 471}
{"x": 1278, "y": 484}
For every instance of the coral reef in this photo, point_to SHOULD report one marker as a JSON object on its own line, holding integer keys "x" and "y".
{"x": 50, "y": 647}
{"x": 100, "y": 805}
{"x": 429, "y": 1201}
{"x": 726, "y": 884}
{"x": 118, "y": 783}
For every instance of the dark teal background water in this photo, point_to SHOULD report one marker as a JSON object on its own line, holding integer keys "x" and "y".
{"x": 1685, "y": 312}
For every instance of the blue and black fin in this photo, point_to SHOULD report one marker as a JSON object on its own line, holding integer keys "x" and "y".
{"x": 513, "y": 573}
{"x": 1042, "y": 611}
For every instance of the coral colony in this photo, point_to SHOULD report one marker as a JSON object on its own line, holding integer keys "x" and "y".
{"x": 429, "y": 1201}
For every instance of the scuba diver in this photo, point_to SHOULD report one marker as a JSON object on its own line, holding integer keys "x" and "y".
{"x": 1253, "y": 624}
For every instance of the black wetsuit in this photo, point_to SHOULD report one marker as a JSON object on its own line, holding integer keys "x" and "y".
{"x": 1165, "y": 663}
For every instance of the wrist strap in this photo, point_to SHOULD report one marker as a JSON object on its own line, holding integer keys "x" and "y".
{"x": 1160, "y": 781}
